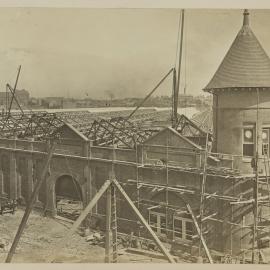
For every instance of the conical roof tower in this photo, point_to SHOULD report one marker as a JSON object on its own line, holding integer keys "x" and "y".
{"x": 246, "y": 64}
{"x": 241, "y": 100}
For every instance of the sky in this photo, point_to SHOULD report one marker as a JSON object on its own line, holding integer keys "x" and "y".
{"x": 86, "y": 52}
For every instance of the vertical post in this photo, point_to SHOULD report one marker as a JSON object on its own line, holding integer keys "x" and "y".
{"x": 1, "y": 183}
{"x": 90, "y": 169}
{"x": 35, "y": 176}
{"x": 255, "y": 185}
{"x": 19, "y": 185}
{"x": 29, "y": 178}
{"x": 176, "y": 93}
{"x": 142, "y": 149}
{"x": 167, "y": 185}
{"x": 108, "y": 226}
{"x": 13, "y": 176}
{"x": 7, "y": 101}
{"x": 174, "y": 121}
{"x": 231, "y": 232}
{"x": 137, "y": 185}
{"x": 30, "y": 173}
{"x": 14, "y": 89}
{"x": 255, "y": 211}
{"x": 114, "y": 224}
{"x": 113, "y": 210}
{"x": 87, "y": 174}
{"x": 202, "y": 199}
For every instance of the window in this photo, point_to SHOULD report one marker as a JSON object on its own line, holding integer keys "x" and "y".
{"x": 265, "y": 141}
{"x": 153, "y": 221}
{"x": 248, "y": 141}
{"x": 157, "y": 222}
{"x": 178, "y": 228}
{"x": 183, "y": 228}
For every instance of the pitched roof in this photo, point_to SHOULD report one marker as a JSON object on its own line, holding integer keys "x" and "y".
{"x": 175, "y": 133}
{"x": 246, "y": 64}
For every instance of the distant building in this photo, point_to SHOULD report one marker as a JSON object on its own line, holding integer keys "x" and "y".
{"x": 185, "y": 100}
{"x": 69, "y": 104}
{"x": 22, "y": 96}
{"x": 53, "y": 102}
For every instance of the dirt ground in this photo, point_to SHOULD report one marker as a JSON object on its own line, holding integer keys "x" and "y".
{"x": 42, "y": 242}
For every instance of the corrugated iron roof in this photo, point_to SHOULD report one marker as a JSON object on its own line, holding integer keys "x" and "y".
{"x": 204, "y": 120}
{"x": 246, "y": 64}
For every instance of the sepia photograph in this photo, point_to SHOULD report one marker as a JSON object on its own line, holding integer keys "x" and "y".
{"x": 134, "y": 135}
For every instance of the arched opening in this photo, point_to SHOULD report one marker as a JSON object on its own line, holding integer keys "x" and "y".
{"x": 69, "y": 201}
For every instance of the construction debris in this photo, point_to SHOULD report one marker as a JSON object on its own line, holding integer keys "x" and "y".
{"x": 8, "y": 206}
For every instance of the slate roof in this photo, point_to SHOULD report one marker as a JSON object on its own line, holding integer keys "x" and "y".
{"x": 246, "y": 64}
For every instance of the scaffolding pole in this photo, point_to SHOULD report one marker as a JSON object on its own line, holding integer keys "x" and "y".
{"x": 144, "y": 222}
{"x": 114, "y": 224}
{"x": 255, "y": 187}
{"x": 200, "y": 234}
{"x": 108, "y": 225}
{"x": 106, "y": 186}
{"x": 202, "y": 199}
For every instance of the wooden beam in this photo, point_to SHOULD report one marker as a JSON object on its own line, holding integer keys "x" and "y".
{"x": 114, "y": 225}
{"x": 144, "y": 222}
{"x": 14, "y": 89}
{"x": 142, "y": 102}
{"x": 199, "y": 233}
{"x": 89, "y": 207}
{"x": 14, "y": 96}
{"x": 108, "y": 225}
{"x": 205, "y": 218}
{"x": 243, "y": 202}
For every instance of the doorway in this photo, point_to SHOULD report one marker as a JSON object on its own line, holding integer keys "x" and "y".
{"x": 69, "y": 202}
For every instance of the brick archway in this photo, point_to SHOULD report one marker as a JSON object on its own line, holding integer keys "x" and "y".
{"x": 67, "y": 186}
{"x": 51, "y": 184}
{"x": 68, "y": 197}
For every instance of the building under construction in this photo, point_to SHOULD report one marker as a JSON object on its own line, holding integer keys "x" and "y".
{"x": 202, "y": 184}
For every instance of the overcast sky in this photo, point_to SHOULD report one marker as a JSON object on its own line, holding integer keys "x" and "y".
{"x": 79, "y": 52}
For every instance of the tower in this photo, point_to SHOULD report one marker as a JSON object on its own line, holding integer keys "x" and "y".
{"x": 241, "y": 99}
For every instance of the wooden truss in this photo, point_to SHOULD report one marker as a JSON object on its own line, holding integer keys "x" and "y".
{"x": 29, "y": 125}
{"x": 118, "y": 131}
{"x": 42, "y": 125}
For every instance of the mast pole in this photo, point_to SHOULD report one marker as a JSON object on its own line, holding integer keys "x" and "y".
{"x": 14, "y": 89}
{"x": 177, "y": 87}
